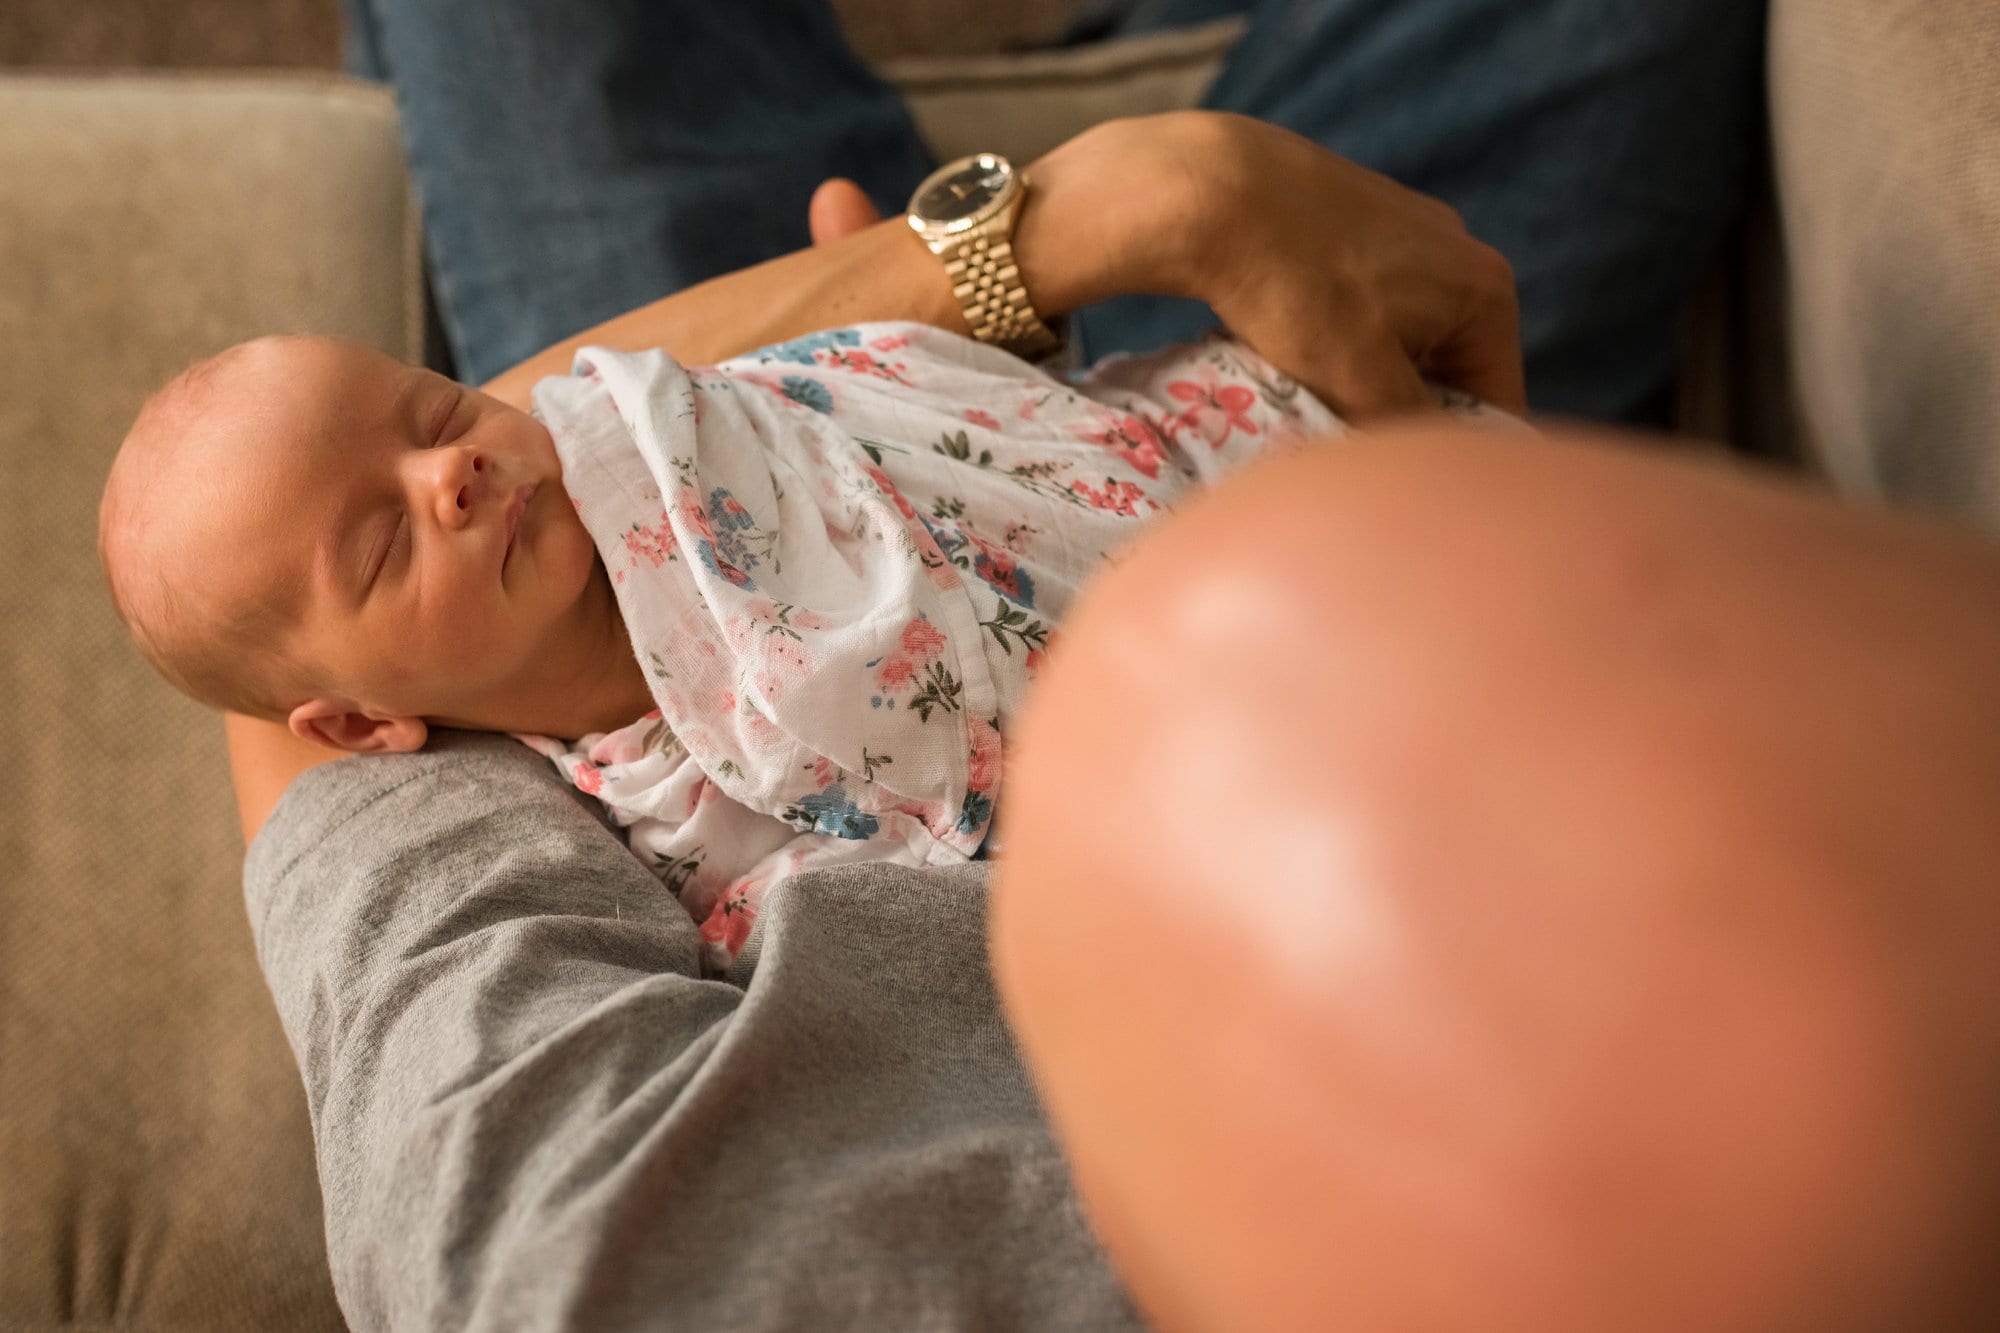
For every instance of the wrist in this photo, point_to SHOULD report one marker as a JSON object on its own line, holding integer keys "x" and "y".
{"x": 1122, "y": 208}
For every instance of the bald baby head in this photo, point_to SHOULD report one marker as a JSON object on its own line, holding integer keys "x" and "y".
{"x": 208, "y": 614}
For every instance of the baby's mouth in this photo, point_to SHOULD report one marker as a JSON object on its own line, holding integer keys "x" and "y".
{"x": 515, "y": 508}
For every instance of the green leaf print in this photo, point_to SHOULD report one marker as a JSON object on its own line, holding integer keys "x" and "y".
{"x": 959, "y": 446}
{"x": 875, "y": 448}
{"x": 676, "y": 871}
{"x": 870, "y": 762}
{"x": 941, "y": 691}
{"x": 1015, "y": 624}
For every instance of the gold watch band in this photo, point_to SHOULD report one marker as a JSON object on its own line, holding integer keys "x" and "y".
{"x": 987, "y": 283}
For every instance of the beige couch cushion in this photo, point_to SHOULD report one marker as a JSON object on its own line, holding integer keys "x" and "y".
{"x": 154, "y": 1153}
{"x": 1887, "y": 132}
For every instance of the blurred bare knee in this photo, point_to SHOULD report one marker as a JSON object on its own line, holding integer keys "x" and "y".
{"x": 1553, "y": 878}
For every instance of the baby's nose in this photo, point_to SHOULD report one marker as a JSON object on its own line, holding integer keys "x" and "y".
{"x": 465, "y": 489}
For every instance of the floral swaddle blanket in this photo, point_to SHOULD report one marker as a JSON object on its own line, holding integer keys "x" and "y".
{"x": 841, "y": 561}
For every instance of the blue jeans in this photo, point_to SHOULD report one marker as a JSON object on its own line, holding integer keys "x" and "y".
{"x": 575, "y": 159}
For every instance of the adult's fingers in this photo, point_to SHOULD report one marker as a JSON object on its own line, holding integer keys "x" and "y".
{"x": 1365, "y": 380}
{"x": 1483, "y": 355}
{"x": 839, "y": 207}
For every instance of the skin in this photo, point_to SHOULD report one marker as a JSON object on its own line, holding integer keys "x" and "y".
{"x": 445, "y": 577}
{"x": 1212, "y": 206}
{"x": 1623, "y": 958}
{"x": 1562, "y": 898}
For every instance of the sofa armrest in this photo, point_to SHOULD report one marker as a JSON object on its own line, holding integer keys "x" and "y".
{"x": 1886, "y": 126}
{"x": 154, "y": 1152}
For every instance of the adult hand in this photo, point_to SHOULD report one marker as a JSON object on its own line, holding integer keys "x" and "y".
{"x": 1324, "y": 246}
{"x": 839, "y": 208}
{"x": 1355, "y": 285}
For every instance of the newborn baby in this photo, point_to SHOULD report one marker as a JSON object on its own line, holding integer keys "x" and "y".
{"x": 782, "y": 610}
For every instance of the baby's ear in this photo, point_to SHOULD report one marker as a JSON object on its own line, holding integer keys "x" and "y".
{"x": 337, "y": 722}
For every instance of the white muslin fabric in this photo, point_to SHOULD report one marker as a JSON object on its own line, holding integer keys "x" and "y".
{"x": 841, "y": 561}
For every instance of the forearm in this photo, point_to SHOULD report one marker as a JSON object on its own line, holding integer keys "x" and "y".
{"x": 1085, "y": 234}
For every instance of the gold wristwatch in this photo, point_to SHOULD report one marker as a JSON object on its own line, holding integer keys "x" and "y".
{"x": 965, "y": 211}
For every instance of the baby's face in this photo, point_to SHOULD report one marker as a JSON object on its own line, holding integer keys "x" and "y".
{"x": 425, "y": 522}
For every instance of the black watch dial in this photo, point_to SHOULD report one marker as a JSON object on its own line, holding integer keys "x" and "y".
{"x": 965, "y": 191}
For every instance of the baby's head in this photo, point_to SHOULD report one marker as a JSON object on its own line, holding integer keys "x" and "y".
{"x": 307, "y": 530}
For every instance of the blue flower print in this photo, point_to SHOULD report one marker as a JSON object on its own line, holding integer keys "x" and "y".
{"x": 727, "y": 512}
{"x": 801, "y": 350}
{"x": 808, "y": 393}
{"x": 831, "y": 811}
{"x": 721, "y": 568}
{"x": 977, "y": 810}
{"x": 728, "y": 556}
{"x": 1006, "y": 578}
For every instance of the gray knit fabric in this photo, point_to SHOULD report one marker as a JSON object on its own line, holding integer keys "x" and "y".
{"x": 531, "y": 1112}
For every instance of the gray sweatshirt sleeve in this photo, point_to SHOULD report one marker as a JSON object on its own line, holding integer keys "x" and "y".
{"x": 531, "y": 1112}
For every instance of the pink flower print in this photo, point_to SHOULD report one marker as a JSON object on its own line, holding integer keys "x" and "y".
{"x": 780, "y": 651}
{"x": 784, "y": 662}
{"x": 979, "y": 418}
{"x": 1214, "y": 408}
{"x": 982, "y": 767}
{"x": 858, "y": 360}
{"x": 922, "y": 640}
{"x": 1133, "y": 438}
{"x": 729, "y": 921}
{"x": 919, "y": 643}
{"x": 889, "y": 342}
{"x": 889, "y": 489}
{"x": 687, "y": 504}
{"x": 996, "y": 567}
{"x": 652, "y": 545}
{"x": 1120, "y": 497}
{"x": 588, "y": 779}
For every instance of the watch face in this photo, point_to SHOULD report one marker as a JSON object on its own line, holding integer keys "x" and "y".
{"x": 957, "y": 192}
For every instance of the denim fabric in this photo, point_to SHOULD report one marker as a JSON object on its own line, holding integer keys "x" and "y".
{"x": 1603, "y": 146}
{"x": 575, "y": 161}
